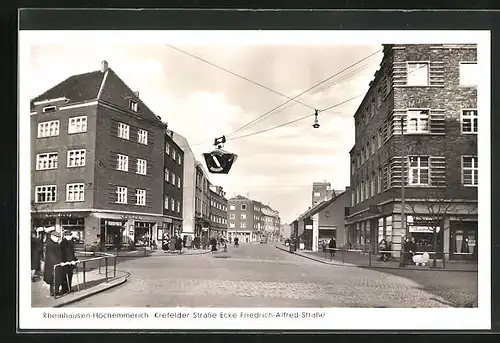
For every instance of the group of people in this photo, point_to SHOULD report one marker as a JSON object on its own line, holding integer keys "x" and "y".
{"x": 384, "y": 249}
{"x": 218, "y": 243}
{"x": 57, "y": 251}
{"x": 409, "y": 249}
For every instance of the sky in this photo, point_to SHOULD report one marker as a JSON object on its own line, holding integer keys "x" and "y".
{"x": 202, "y": 102}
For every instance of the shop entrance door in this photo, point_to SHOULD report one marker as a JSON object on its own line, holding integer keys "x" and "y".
{"x": 464, "y": 244}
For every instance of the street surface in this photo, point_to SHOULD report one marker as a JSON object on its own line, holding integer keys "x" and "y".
{"x": 257, "y": 275}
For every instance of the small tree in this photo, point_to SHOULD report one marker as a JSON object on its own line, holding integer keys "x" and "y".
{"x": 430, "y": 207}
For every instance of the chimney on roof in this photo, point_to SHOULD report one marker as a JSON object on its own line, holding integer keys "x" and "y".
{"x": 136, "y": 94}
{"x": 104, "y": 66}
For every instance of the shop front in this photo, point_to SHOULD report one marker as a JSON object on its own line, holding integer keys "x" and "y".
{"x": 463, "y": 240}
{"x": 143, "y": 233}
{"x": 112, "y": 233}
{"x": 75, "y": 227}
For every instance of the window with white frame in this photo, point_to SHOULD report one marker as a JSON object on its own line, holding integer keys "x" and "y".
{"x": 372, "y": 185}
{"x": 133, "y": 106}
{"x": 173, "y": 179}
{"x": 76, "y": 158}
{"x": 122, "y": 162}
{"x": 48, "y": 129}
{"x": 417, "y": 74}
{"x": 469, "y": 121}
{"x": 121, "y": 195}
{"x": 232, "y": 207}
{"x": 231, "y": 225}
{"x": 468, "y": 74}
{"x": 77, "y": 124}
{"x": 362, "y": 191}
{"x": 45, "y": 193}
{"x": 165, "y": 202}
{"x": 243, "y": 225}
{"x": 231, "y": 216}
{"x": 140, "y": 197}
{"x": 142, "y": 166}
{"x": 178, "y": 206}
{"x": 379, "y": 180}
{"x": 179, "y": 159}
{"x": 46, "y": 161}
{"x": 243, "y": 207}
{"x": 417, "y": 121}
{"x": 167, "y": 148}
{"x": 75, "y": 192}
{"x": 172, "y": 204}
{"x": 353, "y": 198}
{"x": 367, "y": 189}
{"x": 167, "y": 175}
{"x": 142, "y": 136}
{"x": 178, "y": 182}
{"x": 470, "y": 171}
{"x": 243, "y": 216}
{"x": 123, "y": 131}
{"x": 418, "y": 170}
{"x": 174, "y": 156}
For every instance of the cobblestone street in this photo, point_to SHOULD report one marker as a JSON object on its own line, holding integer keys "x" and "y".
{"x": 256, "y": 276}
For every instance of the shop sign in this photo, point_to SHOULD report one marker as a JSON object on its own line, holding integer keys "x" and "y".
{"x": 113, "y": 223}
{"x": 309, "y": 227}
{"x": 422, "y": 229}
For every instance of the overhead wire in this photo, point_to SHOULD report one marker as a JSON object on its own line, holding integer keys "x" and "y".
{"x": 302, "y": 93}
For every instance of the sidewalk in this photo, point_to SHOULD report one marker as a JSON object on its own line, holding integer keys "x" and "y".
{"x": 363, "y": 260}
{"x": 95, "y": 282}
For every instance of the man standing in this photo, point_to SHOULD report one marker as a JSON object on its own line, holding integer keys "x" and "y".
{"x": 36, "y": 255}
{"x": 332, "y": 245}
{"x": 68, "y": 256}
{"x": 52, "y": 257}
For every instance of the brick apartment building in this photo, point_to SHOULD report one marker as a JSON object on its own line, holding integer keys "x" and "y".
{"x": 321, "y": 191}
{"x": 270, "y": 220}
{"x": 429, "y": 93}
{"x": 97, "y": 160}
{"x": 173, "y": 186}
{"x": 202, "y": 201}
{"x": 218, "y": 211}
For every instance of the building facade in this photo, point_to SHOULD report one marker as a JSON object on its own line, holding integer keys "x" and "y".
{"x": 202, "y": 201}
{"x": 420, "y": 109}
{"x": 321, "y": 191}
{"x": 218, "y": 212}
{"x": 270, "y": 219}
{"x": 97, "y": 161}
{"x": 173, "y": 187}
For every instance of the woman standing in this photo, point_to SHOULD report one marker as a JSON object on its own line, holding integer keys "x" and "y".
{"x": 36, "y": 255}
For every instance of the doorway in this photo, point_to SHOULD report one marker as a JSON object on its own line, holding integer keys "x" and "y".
{"x": 463, "y": 242}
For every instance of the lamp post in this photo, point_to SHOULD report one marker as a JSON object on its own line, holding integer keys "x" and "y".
{"x": 404, "y": 228}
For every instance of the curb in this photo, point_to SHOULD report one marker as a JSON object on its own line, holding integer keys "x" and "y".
{"x": 112, "y": 284}
{"x": 377, "y": 267}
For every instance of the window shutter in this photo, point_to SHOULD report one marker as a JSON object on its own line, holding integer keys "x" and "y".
{"x": 437, "y": 122}
{"x": 399, "y": 76}
{"x": 438, "y": 171}
{"x": 436, "y": 73}
{"x": 395, "y": 170}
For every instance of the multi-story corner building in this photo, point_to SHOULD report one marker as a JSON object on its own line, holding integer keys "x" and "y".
{"x": 321, "y": 191}
{"x": 421, "y": 108}
{"x": 218, "y": 212}
{"x": 97, "y": 160}
{"x": 202, "y": 201}
{"x": 242, "y": 219}
{"x": 173, "y": 186}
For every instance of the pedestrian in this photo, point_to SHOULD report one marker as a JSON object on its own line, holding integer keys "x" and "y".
{"x": 382, "y": 247}
{"x": 164, "y": 243}
{"x": 406, "y": 251}
{"x": 332, "y": 245}
{"x": 213, "y": 243}
{"x": 184, "y": 241}
{"x": 67, "y": 256}
{"x": 178, "y": 244}
{"x": 36, "y": 255}
{"x": 117, "y": 242}
{"x": 52, "y": 258}
{"x": 412, "y": 248}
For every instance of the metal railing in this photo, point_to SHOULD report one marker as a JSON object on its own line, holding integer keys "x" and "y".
{"x": 378, "y": 258}
{"x": 85, "y": 268}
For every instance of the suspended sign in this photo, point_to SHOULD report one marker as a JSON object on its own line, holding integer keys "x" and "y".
{"x": 219, "y": 161}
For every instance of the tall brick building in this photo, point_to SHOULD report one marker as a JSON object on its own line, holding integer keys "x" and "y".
{"x": 421, "y": 108}
{"x": 218, "y": 211}
{"x": 321, "y": 191}
{"x": 97, "y": 160}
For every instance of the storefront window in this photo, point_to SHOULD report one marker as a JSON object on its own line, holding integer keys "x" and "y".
{"x": 388, "y": 229}
{"x": 142, "y": 234}
{"x": 380, "y": 223}
{"x": 75, "y": 227}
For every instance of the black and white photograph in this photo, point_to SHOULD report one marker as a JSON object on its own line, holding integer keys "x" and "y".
{"x": 257, "y": 179}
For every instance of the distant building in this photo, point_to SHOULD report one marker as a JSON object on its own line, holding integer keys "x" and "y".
{"x": 270, "y": 221}
{"x": 321, "y": 191}
{"x": 285, "y": 231}
{"x": 97, "y": 161}
{"x": 324, "y": 221}
{"x": 420, "y": 112}
{"x": 218, "y": 211}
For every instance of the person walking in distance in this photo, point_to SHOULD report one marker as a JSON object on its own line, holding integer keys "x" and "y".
{"x": 53, "y": 257}
{"x": 332, "y": 245}
{"x": 36, "y": 255}
{"x": 67, "y": 256}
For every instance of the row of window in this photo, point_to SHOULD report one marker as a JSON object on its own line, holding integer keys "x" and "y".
{"x": 418, "y": 172}
{"x": 218, "y": 205}
{"x": 243, "y": 225}
{"x": 417, "y": 121}
{"x": 169, "y": 203}
{"x": 176, "y": 156}
{"x": 218, "y": 219}
{"x": 122, "y": 196}
{"x": 233, "y": 207}
{"x": 49, "y": 160}
{"x": 122, "y": 164}
{"x": 124, "y": 133}
{"x": 51, "y": 128}
{"x": 418, "y": 74}
{"x": 170, "y": 176}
